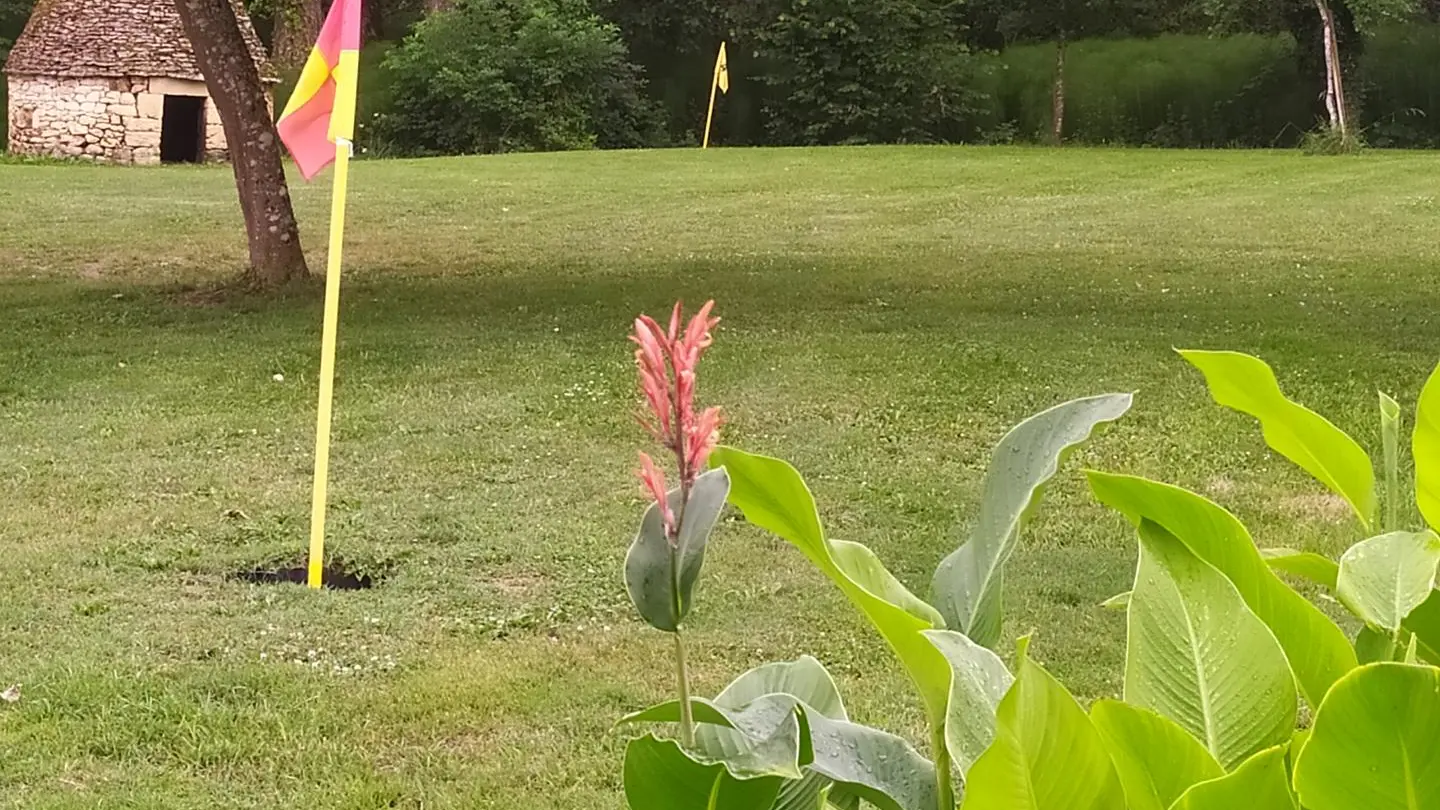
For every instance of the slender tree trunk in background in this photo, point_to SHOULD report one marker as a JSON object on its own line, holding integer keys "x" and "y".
{"x": 432, "y": 6}
{"x": 1058, "y": 135}
{"x": 243, "y": 103}
{"x": 1334, "y": 73}
{"x": 297, "y": 25}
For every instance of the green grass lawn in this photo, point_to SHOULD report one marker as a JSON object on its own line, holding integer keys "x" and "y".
{"x": 888, "y": 313}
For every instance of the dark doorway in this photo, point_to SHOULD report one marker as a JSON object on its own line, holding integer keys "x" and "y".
{"x": 182, "y": 130}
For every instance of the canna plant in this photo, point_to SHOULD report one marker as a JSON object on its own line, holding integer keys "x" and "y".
{"x": 1220, "y": 653}
{"x": 779, "y": 736}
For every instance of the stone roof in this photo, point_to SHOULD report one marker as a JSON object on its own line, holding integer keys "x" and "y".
{"x": 114, "y": 38}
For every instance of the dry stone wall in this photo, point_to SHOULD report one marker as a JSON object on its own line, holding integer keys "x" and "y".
{"x": 105, "y": 120}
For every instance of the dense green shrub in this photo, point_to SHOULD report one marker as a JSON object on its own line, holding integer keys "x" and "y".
{"x": 515, "y": 75}
{"x": 850, "y": 71}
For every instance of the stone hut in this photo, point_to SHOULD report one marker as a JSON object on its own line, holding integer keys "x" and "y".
{"x": 114, "y": 81}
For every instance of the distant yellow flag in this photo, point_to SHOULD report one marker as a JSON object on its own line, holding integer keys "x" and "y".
{"x": 722, "y": 71}
{"x": 721, "y": 82}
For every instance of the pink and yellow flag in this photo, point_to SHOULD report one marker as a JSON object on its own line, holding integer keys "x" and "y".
{"x": 321, "y": 111}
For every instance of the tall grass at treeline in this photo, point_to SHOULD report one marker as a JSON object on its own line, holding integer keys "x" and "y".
{"x": 1196, "y": 91}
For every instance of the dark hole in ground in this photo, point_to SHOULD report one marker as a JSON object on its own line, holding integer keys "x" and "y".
{"x": 334, "y": 577}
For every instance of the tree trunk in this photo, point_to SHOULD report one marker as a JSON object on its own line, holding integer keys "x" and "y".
{"x": 432, "y": 6}
{"x": 1058, "y": 98}
{"x": 1334, "y": 73}
{"x": 297, "y": 25}
{"x": 243, "y": 102}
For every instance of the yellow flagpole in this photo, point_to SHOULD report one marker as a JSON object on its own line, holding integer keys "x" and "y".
{"x": 318, "y": 496}
{"x": 714, "y": 85}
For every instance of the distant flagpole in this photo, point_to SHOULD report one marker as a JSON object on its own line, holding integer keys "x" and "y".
{"x": 719, "y": 81}
{"x": 318, "y": 127}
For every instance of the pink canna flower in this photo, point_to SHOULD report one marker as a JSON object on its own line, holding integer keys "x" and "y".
{"x": 701, "y": 438}
{"x": 654, "y": 377}
{"x": 654, "y": 481}
{"x": 667, "y": 359}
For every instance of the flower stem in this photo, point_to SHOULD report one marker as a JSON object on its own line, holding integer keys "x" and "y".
{"x": 687, "y": 719}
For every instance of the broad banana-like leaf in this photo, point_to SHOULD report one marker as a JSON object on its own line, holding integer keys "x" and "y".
{"x": 881, "y": 768}
{"x": 1318, "y": 650}
{"x": 663, "y": 592}
{"x": 1424, "y": 623}
{"x": 968, "y": 583}
{"x": 1425, "y": 447}
{"x": 1046, "y": 756}
{"x": 762, "y": 738}
{"x": 1384, "y": 578}
{"x": 717, "y": 740}
{"x": 1373, "y": 645}
{"x": 978, "y": 683}
{"x": 1390, "y": 441}
{"x": 862, "y": 762}
{"x": 1199, "y": 656}
{"x": 1316, "y": 568}
{"x": 773, "y": 496}
{"x": 1374, "y": 745}
{"x": 805, "y": 679}
{"x": 1157, "y": 760}
{"x": 1247, "y": 384}
{"x": 1259, "y": 783}
{"x": 812, "y": 793}
{"x": 659, "y": 775}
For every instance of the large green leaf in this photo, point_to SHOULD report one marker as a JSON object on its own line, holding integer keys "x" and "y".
{"x": 1318, "y": 650}
{"x": 968, "y": 583}
{"x": 805, "y": 679}
{"x": 1390, "y": 442}
{"x": 1425, "y": 447}
{"x": 1424, "y": 623}
{"x": 1373, "y": 645}
{"x": 1375, "y": 743}
{"x": 1199, "y": 656}
{"x": 979, "y": 682}
{"x": 1046, "y": 756}
{"x": 879, "y": 767}
{"x": 762, "y": 738}
{"x": 661, "y": 593}
{"x": 883, "y": 769}
{"x": 1157, "y": 760}
{"x": 774, "y": 497}
{"x": 718, "y": 740}
{"x": 1260, "y": 783}
{"x": 1384, "y": 578}
{"x": 659, "y": 776}
{"x": 1317, "y": 568}
{"x": 1247, "y": 384}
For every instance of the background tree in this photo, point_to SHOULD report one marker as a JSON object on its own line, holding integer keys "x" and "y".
{"x": 1330, "y": 36}
{"x": 296, "y": 25}
{"x": 854, "y": 71}
{"x": 240, "y": 96}
{"x": 13, "y": 14}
